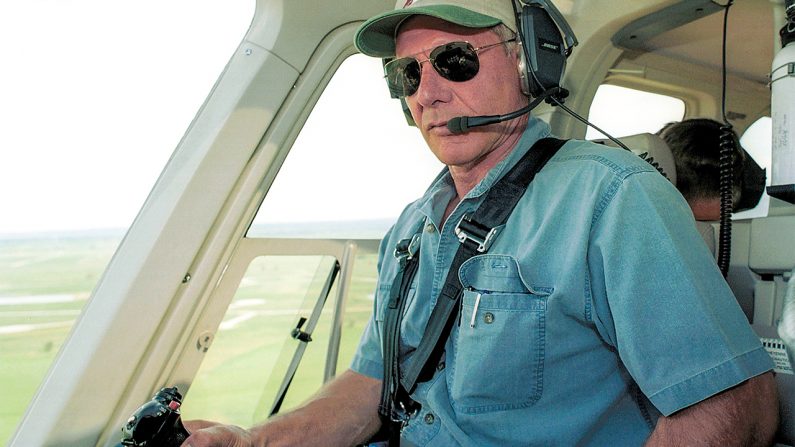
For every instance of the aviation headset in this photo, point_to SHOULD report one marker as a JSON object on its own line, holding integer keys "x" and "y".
{"x": 546, "y": 40}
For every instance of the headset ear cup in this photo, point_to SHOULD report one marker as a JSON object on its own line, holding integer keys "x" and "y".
{"x": 524, "y": 80}
{"x": 544, "y": 46}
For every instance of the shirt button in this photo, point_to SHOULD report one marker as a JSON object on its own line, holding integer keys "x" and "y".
{"x": 488, "y": 318}
{"x": 429, "y": 419}
{"x": 430, "y": 228}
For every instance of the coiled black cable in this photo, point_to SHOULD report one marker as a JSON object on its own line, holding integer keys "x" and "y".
{"x": 726, "y": 164}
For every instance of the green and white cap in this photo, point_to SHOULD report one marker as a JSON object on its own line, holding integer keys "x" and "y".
{"x": 376, "y": 37}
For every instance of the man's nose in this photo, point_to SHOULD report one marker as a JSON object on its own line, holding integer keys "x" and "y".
{"x": 433, "y": 87}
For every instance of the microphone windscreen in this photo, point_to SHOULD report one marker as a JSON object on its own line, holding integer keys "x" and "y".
{"x": 457, "y": 125}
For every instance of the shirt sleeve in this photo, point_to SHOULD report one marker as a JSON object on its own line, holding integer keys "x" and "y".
{"x": 661, "y": 301}
{"x": 368, "y": 358}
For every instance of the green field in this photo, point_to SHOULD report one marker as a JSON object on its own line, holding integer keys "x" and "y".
{"x": 239, "y": 377}
{"x": 60, "y": 272}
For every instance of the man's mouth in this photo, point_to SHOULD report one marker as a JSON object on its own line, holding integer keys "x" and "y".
{"x": 437, "y": 126}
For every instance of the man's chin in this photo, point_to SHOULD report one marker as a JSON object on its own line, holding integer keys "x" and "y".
{"x": 455, "y": 155}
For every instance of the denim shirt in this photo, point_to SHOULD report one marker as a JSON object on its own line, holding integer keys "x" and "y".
{"x": 597, "y": 309}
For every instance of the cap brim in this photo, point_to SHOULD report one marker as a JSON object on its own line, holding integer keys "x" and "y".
{"x": 376, "y": 37}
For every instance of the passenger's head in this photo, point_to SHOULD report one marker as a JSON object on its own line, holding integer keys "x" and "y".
{"x": 696, "y": 144}
{"x": 447, "y": 59}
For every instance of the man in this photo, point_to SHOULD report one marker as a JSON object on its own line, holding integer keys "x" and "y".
{"x": 589, "y": 321}
{"x": 695, "y": 144}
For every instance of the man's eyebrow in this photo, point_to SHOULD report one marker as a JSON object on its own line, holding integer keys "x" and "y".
{"x": 428, "y": 50}
{"x": 475, "y": 47}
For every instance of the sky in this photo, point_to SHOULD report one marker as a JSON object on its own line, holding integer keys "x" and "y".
{"x": 94, "y": 97}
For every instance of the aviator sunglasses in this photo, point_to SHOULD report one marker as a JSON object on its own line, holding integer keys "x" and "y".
{"x": 454, "y": 61}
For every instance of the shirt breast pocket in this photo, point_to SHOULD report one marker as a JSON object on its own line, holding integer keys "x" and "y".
{"x": 498, "y": 349}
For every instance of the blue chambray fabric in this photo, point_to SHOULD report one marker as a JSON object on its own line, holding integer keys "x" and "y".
{"x": 597, "y": 309}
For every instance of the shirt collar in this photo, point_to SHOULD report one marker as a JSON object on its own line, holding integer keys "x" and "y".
{"x": 535, "y": 130}
{"x": 435, "y": 200}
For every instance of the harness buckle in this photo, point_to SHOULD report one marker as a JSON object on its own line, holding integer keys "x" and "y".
{"x": 407, "y": 248}
{"x": 402, "y": 412}
{"x": 475, "y": 232}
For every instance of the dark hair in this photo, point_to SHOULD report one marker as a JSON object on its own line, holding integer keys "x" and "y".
{"x": 695, "y": 144}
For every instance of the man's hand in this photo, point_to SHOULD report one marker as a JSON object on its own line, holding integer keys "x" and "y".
{"x": 212, "y": 434}
{"x": 746, "y": 415}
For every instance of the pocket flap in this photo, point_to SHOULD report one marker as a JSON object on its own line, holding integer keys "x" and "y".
{"x": 495, "y": 273}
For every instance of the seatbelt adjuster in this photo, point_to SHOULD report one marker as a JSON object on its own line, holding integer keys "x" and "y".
{"x": 475, "y": 232}
{"x": 407, "y": 248}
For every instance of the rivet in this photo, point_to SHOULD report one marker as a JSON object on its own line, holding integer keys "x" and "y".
{"x": 186, "y": 278}
{"x": 488, "y": 318}
{"x": 429, "y": 419}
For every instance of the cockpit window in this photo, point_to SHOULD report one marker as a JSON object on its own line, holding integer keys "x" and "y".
{"x": 622, "y": 111}
{"x": 95, "y": 97}
{"x": 259, "y": 341}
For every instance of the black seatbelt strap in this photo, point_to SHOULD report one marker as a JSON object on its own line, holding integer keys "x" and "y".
{"x": 476, "y": 232}
{"x": 407, "y": 254}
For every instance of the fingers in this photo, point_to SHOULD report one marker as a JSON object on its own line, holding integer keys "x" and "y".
{"x": 198, "y": 424}
{"x": 213, "y": 434}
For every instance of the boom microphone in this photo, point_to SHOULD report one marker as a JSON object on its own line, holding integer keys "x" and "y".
{"x": 462, "y": 124}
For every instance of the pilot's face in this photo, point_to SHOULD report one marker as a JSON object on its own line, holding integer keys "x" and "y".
{"x": 495, "y": 90}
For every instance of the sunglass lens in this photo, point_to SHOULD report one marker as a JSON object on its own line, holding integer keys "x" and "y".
{"x": 456, "y": 61}
{"x": 411, "y": 77}
{"x": 403, "y": 76}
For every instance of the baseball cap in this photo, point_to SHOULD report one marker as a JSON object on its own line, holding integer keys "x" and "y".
{"x": 376, "y": 37}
